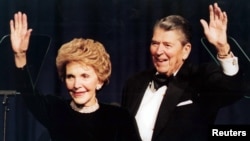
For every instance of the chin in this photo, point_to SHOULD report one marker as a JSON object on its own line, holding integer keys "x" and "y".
{"x": 79, "y": 101}
{"x": 161, "y": 70}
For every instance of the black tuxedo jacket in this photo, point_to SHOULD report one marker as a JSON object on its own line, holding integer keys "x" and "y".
{"x": 190, "y": 104}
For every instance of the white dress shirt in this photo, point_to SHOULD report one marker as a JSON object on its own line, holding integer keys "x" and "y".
{"x": 148, "y": 111}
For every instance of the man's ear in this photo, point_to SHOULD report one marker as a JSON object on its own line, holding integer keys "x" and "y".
{"x": 186, "y": 51}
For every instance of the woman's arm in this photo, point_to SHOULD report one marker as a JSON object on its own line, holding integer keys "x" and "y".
{"x": 20, "y": 36}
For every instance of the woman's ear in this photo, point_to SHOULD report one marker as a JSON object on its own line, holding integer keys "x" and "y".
{"x": 99, "y": 86}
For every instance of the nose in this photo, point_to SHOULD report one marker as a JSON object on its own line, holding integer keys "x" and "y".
{"x": 160, "y": 49}
{"x": 77, "y": 83}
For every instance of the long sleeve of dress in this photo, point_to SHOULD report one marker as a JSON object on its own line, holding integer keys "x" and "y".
{"x": 37, "y": 104}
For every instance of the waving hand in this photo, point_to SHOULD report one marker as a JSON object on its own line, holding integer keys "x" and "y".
{"x": 20, "y": 36}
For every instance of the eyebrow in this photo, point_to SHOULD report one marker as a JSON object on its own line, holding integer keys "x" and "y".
{"x": 164, "y": 42}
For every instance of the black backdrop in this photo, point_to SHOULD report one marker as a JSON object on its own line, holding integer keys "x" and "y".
{"x": 124, "y": 27}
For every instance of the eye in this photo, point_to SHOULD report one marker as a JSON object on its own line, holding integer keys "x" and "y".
{"x": 69, "y": 76}
{"x": 154, "y": 43}
{"x": 85, "y": 75}
{"x": 167, "y": 45}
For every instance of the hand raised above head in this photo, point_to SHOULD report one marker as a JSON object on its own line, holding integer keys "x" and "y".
{"x": 19, "y": 36}
{"x": 19, "y": 33}
{"x": 216, "y": 30}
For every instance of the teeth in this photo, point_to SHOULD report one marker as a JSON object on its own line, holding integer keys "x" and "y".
{"x": 161, "y": 60}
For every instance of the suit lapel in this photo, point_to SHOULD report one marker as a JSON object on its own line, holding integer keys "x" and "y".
{"x": 139, "y": 98}
{"x": 140, "y": 90}
{"x": 174, "y": 92}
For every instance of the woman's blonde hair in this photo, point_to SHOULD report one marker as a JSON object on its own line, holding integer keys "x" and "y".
{"x": 87, "y": 52}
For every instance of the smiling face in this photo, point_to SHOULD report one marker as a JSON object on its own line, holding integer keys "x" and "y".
{"x": 82, "y": 82}
{"x": 168, "y": 51}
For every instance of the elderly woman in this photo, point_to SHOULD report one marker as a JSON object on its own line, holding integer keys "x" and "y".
{"x": 84, "y": 66}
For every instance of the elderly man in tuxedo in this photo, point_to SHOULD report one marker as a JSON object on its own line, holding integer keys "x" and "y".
{"x": 189, "y": 96}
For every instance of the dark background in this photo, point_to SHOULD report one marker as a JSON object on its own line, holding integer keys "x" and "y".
{"x": 124, "y": 27}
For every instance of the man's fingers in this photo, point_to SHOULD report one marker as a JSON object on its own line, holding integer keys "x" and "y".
{"x": 225, "y": 20}
{"x": 211, "y": 13}
{"x": 204, "y": 25}
{"x": 11, "y": 26}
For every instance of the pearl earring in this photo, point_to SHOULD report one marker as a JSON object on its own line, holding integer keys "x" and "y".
{"x": 98, "y": 87}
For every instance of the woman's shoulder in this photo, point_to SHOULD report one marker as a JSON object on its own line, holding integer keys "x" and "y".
{"x": 113, "y": 108}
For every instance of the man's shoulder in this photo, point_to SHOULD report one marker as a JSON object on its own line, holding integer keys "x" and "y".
{"x": 143, "y": 74}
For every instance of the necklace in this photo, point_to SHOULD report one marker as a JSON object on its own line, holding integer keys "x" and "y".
{"x": 88, "y": 109}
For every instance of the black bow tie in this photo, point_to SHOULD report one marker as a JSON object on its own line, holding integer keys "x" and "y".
{"x": 160, "y": 80}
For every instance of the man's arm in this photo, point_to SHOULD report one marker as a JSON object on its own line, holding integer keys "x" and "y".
{"x": 216, "y": 33}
